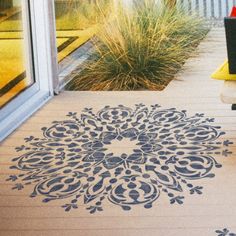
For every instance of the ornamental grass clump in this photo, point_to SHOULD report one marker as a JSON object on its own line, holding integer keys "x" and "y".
{"x": 140, "y": 49}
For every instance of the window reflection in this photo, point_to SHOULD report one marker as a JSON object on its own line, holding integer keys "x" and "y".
{"x": 13, "y": 79}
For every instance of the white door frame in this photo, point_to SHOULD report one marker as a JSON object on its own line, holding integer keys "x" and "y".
{"x": 41, "y": 27}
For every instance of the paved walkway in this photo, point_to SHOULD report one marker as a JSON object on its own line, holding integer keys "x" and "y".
{"x": 119, "y": 164}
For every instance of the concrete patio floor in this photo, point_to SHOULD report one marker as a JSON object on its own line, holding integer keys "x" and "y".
{"x": 116, "y": 163}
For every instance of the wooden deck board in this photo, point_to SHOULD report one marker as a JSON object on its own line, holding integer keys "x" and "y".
{"x": 200, "y": 215}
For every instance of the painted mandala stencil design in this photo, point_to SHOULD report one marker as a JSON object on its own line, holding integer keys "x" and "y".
{"x": 120, "y": 155}
{"x": 224, "y": 232}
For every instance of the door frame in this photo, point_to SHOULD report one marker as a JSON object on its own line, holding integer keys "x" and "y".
{"x": 41, "y": 29}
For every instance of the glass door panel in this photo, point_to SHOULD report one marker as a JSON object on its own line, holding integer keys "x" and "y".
{"x": 76, "y": 23}
{"x": 28, "y": 66}
{"x": 15, "y": 66}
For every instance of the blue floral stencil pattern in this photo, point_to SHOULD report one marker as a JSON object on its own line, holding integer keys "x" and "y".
{"x": 224, "y": 232}
{"x": 159, "y": 151}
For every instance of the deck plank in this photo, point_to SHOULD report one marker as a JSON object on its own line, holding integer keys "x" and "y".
{"x": 215, "y": 209}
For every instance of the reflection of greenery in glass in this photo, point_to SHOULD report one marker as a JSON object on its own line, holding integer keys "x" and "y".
{"x": 140, "y": 49}
{"x": 80, "y": 14}
{"x": 13, "y": 23}
{"x": 70, "y": 14}
{"x": 12, "y": 56}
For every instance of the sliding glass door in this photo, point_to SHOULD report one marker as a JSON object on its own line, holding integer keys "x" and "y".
{"x": 76, "y": 23}
{"x": 28, "y": 67}
{"x": 16, "y": 74}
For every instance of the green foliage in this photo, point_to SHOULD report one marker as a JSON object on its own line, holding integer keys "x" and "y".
{"x": 80, "y": 14}
{"x": 142, "y": 48}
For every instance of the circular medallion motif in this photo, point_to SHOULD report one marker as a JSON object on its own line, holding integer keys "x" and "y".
{"x": 121, "y": 155}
